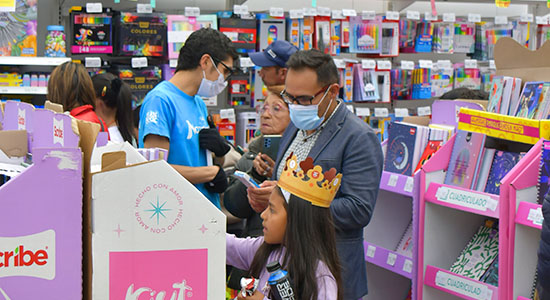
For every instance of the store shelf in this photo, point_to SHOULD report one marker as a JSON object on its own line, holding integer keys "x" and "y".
{"x": 397, "y": 183}
{"x": 464, "y": 199}
{"x": 19, "y": 90}
{"x": 459, "y": 286}
{"x": 523, "y": 298}
{"x": 389, "y": 260}
{"x": 530, "y": 214}
{"x": 32, "y": 61}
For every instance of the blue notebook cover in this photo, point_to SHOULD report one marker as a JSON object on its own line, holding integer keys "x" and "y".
{"x": 544, "y": 175}
{"x": 466, "y": 156}
{"x": 400, "y": 151}
{"x": 502, "y": 164}
{"x": 529, "y": 99}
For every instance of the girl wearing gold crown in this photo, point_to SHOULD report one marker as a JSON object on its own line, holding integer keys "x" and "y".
{"x": 298, "y": 233}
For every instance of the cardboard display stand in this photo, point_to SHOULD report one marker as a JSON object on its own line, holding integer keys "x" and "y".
{"x": 41, "y": 215}
{"x": 154, "y": 234}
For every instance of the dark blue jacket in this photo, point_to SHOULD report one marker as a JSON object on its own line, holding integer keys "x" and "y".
{"x": 351, "y": 146}
{"x": 543, "y": 266}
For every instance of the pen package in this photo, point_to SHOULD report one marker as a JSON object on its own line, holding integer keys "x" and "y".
{"x": 543, "y": 34}
{"x": 348, "y": 83}
{"x": 308, "y": 28}
{"x": 179, "y": 29}
{"x": 365, "y": 35}
{"x": 407, "y": 35}
{"x": 421, "y": 85}
{"x": 366, "y": 84}
{"x": 294, "y": 29}
{"x": 346, "y": 33}
{"x": 383, "y": 82}
{"x": 401, "y": 84}
{"x": 520, "y": 32}
{"x": 335, "y": 37}
{"x": 442, "y": 81}
{"x": 464, "y": 37}
{"x": 424, "y": 36}
{"x": 390, "y": 38}
{"x": 322, "y": 34}
{"x": 468, "y": 78}
{"x": 443, "y": 38}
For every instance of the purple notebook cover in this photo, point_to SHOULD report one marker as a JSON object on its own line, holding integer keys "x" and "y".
{"x": 466, "y": 155}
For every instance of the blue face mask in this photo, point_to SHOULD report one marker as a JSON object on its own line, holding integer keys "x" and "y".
{"x": 306, "y": 117}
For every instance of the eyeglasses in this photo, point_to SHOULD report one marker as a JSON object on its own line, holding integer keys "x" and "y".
{"x": 302, "y": 100}
{"x": 274, "y": 110}
{"x": 229, "y": 71}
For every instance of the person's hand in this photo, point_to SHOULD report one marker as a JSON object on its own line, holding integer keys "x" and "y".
{"x": 210, "y": 139}
{"x": 259, "y": 197}
{"x": 257, "y": 296}
{"x": 264, "y": 165}
{"x": 219, "y": 183}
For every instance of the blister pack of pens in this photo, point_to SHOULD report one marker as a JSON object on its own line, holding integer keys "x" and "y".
{"x": 322, "y": 34}
{"x": 335, "y": 36}
{"x": 424, "y": 36}
{"x": 366, "y": 84}
{"x": 365, "y": 35}
{"x": 421, "y": 85}
{"x": 390, "y": 38}
{"x": 401, "y": 84}
{"x": 443, "y": 38}
{"x": 464, "y": 37}
{"x": 407, "y": 35}
{"x": 520, "y": 32}
{"x": 468, "y": 78}
{"x": 442, "y": 81}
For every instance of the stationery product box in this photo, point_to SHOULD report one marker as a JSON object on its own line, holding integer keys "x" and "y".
{"x": 141, "y": 34}
{"x": 179, "y": 29}
{"x": 154, "y": 234}
{"x": 18, "y": 33}
{"x": 41, "y": 223}
{"x": 92, "y": 33}
{"x": 242, "y": 33}
{"x": 141, "y": 80}
{"x": 271, "y": 30}
{"x": 247, "y": 124}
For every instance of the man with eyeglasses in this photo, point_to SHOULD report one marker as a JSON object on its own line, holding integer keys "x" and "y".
{"x": 273, "y": 62}
{"x": 174, "y": 116}
{"x": 324, "y": 129}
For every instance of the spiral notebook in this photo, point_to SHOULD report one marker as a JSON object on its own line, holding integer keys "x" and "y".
{"x": 405, "y": 246}
{"x": 465, "y": 158}
{"x": 544, "y": 171}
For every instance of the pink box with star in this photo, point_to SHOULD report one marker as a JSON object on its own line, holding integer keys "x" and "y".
{"x": 154, "y": 234}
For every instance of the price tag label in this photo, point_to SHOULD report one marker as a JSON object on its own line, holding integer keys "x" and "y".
{"x": 296, "y": 13}
{"x": 192, "y": 11}
{"x": 310, "y": 11}
{"x": 144, "y": 8}
{"x": 173, "y": 63}
{"x": 424, "y": 111}
{"x": 227, "y": 113}
{"x": 477, "y": 201}
{"x": 337, "y": 14}
{"x": 384, "y": 65}
{"x": 362, "y": 111}
{"x": 392, "y": 15}
{"x": 392, "y": 181}
{"x": 139, "y": 62}
{"x": 470, "y": 64}
{"x": 368, "y": 64}
{"x": 527, "y": 18}
{"x": 368, "y": 15}
{"x": 409, "y": 185}
{"x": 449, "y": 17}
{"x": 340, "y": 63}
{"x": 245, "y": 62}
{"x": 474, "y": 18}
{"x": 276, "y": 12}
{"x": 240, "y": 9}
{"x": 92, "y": 62}
{"x": 381, "y": 112}
{"x": 535, "y": 216}
{"x": 413, "y": 15}
{"x": 391, "y": 259}
{"x": 323, "y": 11}
{"x": 94, "y": 7}
{"x": 541, "y": 20}
{"x": 428, "y": 16}
{"x": 426, "y": 64}
{"x": 444, "y": 64}
{"x": 408, "y": 266}
{"x": 349, "y": 12}
{"x": 492, "y": 65}
{"x": 350, "y": 107}
{"x": 407, "y": 65}
{"x": 501, "y": 20}
{"x": 401, "y": 112}
{"x": 371, "y": 251}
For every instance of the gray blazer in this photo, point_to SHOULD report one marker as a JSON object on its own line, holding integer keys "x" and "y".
{"x": 351, "y": 146}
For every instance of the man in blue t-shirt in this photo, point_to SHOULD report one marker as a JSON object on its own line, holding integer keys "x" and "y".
{"x": 174, "y": 117}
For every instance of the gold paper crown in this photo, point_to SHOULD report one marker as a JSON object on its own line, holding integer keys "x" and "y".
{"x": 310, "y": 183}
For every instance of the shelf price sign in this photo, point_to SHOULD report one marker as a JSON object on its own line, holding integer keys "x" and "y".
{"x": 467, "y": 199}
{"x": 456, "y": 284}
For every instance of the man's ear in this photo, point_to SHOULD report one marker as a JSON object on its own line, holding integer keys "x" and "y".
{"x": 334, "y": 89}
{"x": 204, "y": 61}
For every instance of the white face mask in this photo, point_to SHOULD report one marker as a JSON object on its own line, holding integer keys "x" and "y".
{"x": 209, "y": 88}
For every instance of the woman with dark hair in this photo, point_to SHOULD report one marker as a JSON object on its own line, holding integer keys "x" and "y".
{"x": 71, "y": 86}
{"x": 298, "y": 233}
{"x": 114, "y": 105}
